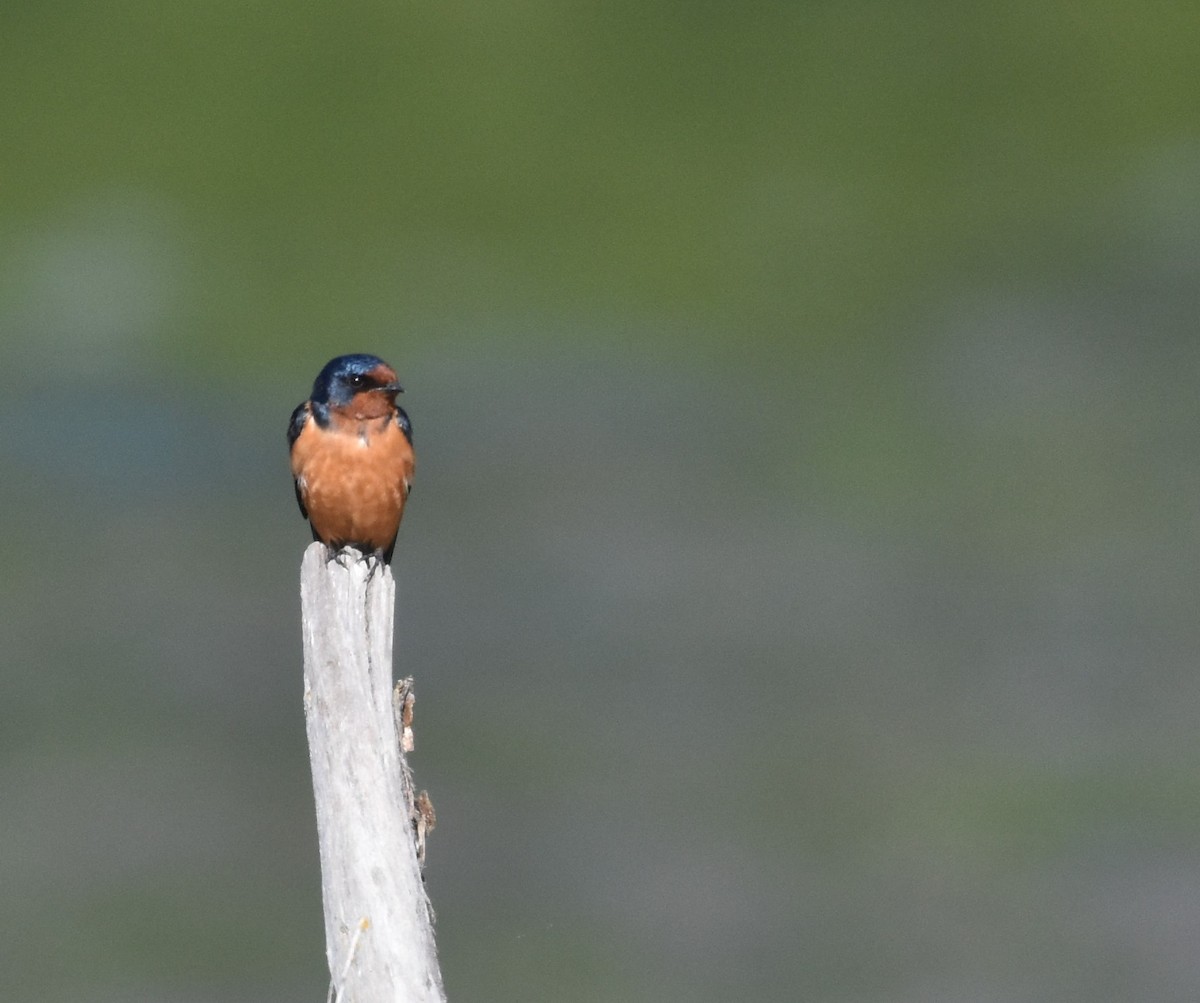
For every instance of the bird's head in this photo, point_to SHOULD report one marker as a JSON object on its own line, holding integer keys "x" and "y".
{"x": 363, "y": 386}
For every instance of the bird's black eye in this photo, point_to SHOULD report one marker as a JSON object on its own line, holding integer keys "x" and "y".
{"x": 357, "y": 380}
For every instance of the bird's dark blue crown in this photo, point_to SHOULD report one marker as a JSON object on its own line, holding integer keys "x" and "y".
{"x": 334, "y": 385}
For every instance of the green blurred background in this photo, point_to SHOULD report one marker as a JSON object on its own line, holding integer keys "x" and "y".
{"x": 800, "y": 576}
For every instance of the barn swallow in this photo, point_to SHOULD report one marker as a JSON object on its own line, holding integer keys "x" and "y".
{"x": 352, "y": 455}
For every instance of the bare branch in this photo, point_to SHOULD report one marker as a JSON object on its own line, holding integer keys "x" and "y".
{"x": 378, "y": 921}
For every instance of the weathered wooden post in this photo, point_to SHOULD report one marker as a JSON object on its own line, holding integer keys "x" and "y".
{"x": 378, "y": 921}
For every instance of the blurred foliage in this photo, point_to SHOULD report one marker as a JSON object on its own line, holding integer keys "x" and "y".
{"x": 771, "y": 175}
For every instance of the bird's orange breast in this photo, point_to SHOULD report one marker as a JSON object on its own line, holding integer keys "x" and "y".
{"x": 354, "y": 478}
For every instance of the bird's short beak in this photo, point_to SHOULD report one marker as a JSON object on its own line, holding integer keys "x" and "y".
{"x": 391, "y": 388}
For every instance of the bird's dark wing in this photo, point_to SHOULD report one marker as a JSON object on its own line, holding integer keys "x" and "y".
{"x": 404, "y": 423}
{"x": 299, "y": 417}
{"x": 295, "y": 426}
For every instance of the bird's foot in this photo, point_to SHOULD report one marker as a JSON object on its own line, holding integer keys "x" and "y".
{"x": 339, "y": 554}
{"x": 375, "y": 562}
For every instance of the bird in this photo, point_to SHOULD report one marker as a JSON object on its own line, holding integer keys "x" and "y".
{"x": 352, "y": 456}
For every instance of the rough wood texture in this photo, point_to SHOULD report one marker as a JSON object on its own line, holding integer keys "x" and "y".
{"x": 378, "y": 922}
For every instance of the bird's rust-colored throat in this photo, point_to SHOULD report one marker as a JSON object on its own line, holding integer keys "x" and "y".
{"x": 368, "y": 404}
